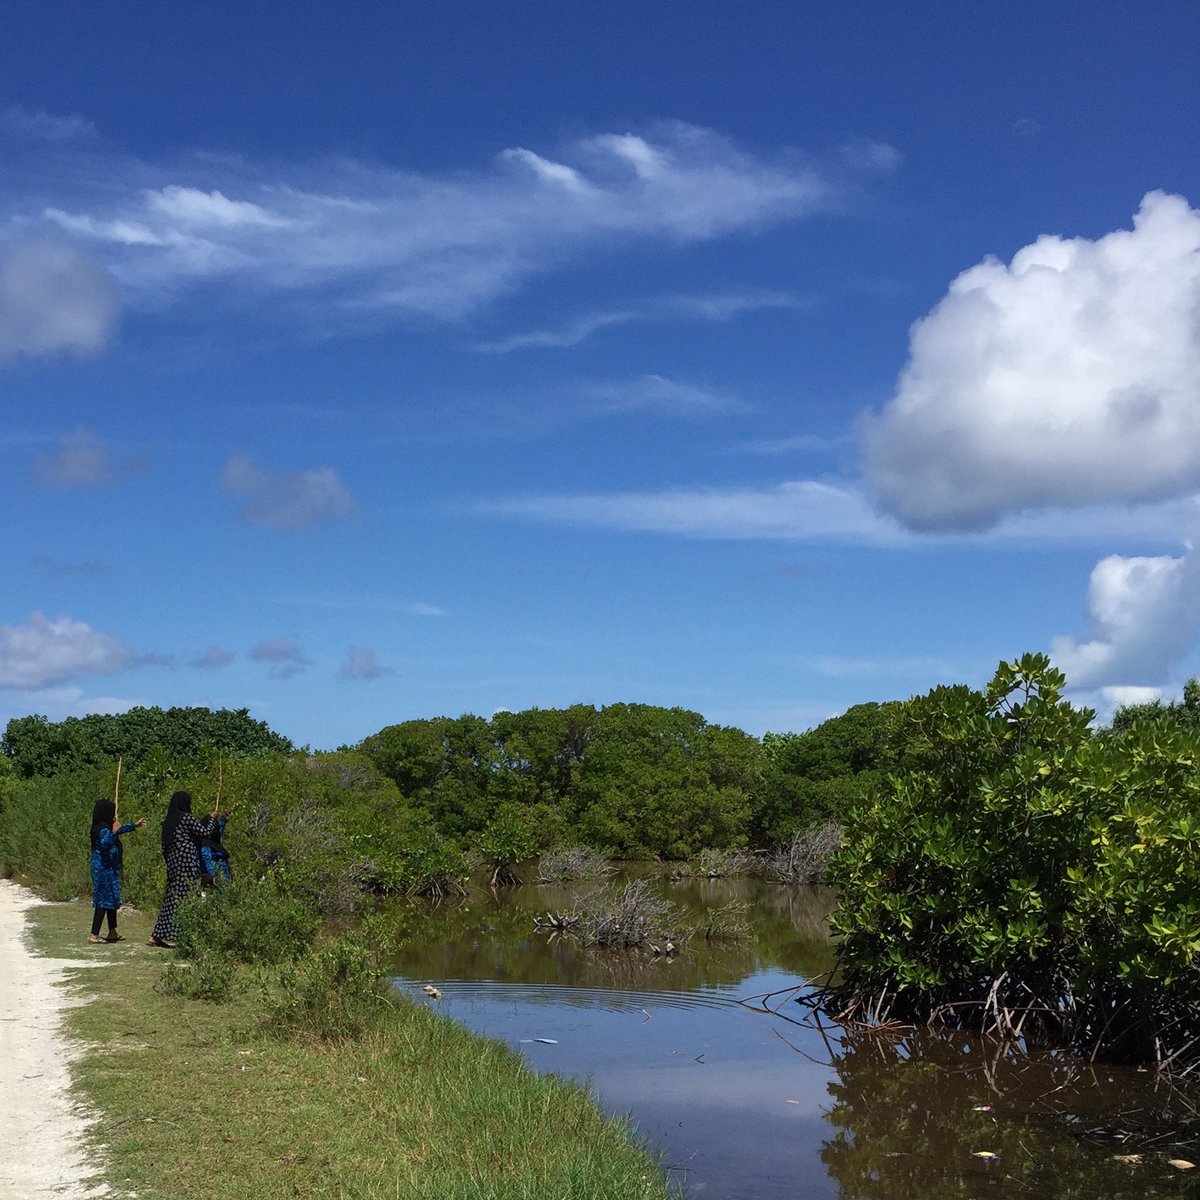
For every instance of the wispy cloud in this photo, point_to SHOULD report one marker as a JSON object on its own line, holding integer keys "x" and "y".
{"x": 656, "y": 393}
{"x": 90, "y": 568}
{"x": 804, "y": 443}
{"x": 714, "y": 308}
{"x": 35, "y": 125}
{"x": 364, "y": 239}
{"x": 286, "y": 500}
{"x": 813, "y": 510}
{"x": 834, "y": 667}
{"x": 366, "y": 603}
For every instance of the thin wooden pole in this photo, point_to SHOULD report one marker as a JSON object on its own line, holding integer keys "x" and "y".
{"x": 117, "y": 785}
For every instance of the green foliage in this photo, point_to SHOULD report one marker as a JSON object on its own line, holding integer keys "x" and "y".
{"x": 209, "y": 977}
{"x": 425, "y": 864}
{"x": 245, "y": 921}
{"x": 634, "y": 778}
{"x": 808, "y": 779}
{"x": 332, "y": 993}
{"x": 1184, "y": 712}
{"x": 1014, "y": 860}
{"x": 664, "y": 782}
{"x": 37, "y": 746}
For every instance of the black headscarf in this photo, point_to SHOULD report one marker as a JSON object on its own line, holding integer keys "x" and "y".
{"x": 181, "y": 805}
{"x": 104, "y": 813}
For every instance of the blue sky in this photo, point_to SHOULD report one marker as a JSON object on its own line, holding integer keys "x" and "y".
{"x": 447, "y": 358}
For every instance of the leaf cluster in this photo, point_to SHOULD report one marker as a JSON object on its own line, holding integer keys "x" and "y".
{"x": 1014, "y": 864}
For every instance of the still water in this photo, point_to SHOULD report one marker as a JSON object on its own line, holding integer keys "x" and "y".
{"x": 744, "y": 1103}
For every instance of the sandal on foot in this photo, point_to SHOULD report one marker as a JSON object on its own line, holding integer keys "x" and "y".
{"x": 95, "y": 939}
{"x": 153, "y": 941}
{"x": 115, "y": 937}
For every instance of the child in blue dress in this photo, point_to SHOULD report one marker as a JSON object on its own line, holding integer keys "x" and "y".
{"x": 107, "y": 832}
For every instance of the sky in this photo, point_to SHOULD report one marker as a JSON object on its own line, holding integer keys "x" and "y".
{"x": 407, "y": 360}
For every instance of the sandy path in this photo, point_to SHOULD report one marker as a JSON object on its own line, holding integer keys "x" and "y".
{"x": 42, "y": 1152}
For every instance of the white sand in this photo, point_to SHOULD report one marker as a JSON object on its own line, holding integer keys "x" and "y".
{"x": 41, "y": 1146}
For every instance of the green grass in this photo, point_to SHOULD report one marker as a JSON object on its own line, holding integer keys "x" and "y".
{"x": 203, "y": 1100}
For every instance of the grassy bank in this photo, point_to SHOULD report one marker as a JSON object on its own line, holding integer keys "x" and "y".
{"x": 201, "y": 1099}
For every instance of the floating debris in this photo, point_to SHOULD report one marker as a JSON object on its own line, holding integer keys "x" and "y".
{"x": 1132, "y": 1159}
{"x": 986, "y": 1155}
{"x": 982, "y": 1108}
{"x": 547, "y": 1041}
{"x": 1181, "y": 1164}
{"x": 431, "y": 992}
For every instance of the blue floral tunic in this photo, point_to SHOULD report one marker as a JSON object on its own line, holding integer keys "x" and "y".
{"x": 106, "y": 868}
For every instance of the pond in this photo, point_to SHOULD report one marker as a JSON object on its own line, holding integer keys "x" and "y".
{"x": 744, "y": 1103}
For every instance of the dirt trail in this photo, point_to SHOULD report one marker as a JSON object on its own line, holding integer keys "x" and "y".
{"x": 43, "y": 1154}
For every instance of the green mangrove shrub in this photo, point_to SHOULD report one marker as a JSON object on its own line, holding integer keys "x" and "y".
{"x": 1018, "y": 875}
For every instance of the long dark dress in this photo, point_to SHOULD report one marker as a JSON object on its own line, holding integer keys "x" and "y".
{"x": 183, "y": 870}
{"x": 106, "y": 867}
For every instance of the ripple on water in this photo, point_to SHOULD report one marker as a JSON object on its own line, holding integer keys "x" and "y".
{"x": 612, "y": 999}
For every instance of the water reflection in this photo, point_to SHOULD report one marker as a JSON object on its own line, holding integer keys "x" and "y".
{"x": 744, "y": 1104}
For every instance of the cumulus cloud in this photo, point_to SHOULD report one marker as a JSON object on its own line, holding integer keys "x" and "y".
{"x": 83, "y": 460}
{"x": 282, "y": 657}
{"x": 361, "y": 664}
{"x": 286, "y": 500}
{"x": 1143, "y": 616}
{"x": 213, "y": 658}
{"x": 364, "y": 238}
{"x": 1068, "y": 377}
{"x": 54, "y": 298}
{"x": 43, "y": 652}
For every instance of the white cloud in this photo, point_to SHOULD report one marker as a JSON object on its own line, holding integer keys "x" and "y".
{"x": 656, "y": 393}
{"x": 1143, "y": 616}
{"x": 43, "y": 652}
{"x": 282, "y": 656}
{"x": 54, "y": 299}
{"x": 367, "y": 239}
{"x": 715, "y": 307}
{"x": 83, "y": 460}
{"x": 42, "y": 126}
{"x": 213, "y": 658}
{"x": 1069, "y": 377}
{"x": 286, "y": 500}
{"x": 361, "y": 664}
{"x": 812, "y": 510}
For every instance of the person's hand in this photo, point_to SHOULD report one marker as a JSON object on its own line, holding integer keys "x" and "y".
{"x": 213, "y": 814}
{"x": 139, "y": 822}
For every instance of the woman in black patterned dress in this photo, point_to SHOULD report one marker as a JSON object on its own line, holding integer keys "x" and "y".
{"x": 181, "y": 838}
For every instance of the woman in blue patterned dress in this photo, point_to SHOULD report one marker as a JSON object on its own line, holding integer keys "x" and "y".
{"x": 181, "y": 838}
{"x": 107, "y": 832}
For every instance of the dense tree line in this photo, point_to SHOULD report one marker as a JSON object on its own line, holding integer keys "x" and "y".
{"x": 37, "y": 746}
{"x": 634, "y": 779}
